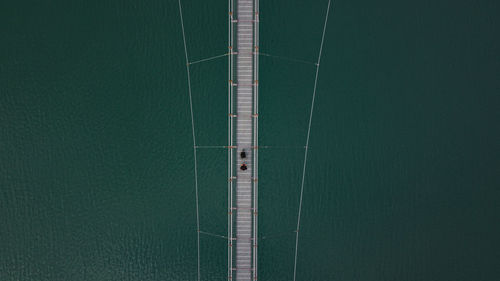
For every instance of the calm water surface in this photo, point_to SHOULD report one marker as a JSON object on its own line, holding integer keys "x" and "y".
{"x": 96, "y": 163}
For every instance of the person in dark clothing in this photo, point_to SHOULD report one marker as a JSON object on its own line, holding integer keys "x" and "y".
{"x": 243, "y": 154}
{"x": 243, "y": 167}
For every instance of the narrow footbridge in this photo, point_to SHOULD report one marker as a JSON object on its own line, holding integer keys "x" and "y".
{"x": 243, "y": 69}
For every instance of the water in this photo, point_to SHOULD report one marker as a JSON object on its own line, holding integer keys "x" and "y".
{"x": 96, "y": 164}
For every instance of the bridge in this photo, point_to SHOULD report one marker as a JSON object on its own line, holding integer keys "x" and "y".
{"x": 243, "y": 71}
{"x": 243, "y": 104}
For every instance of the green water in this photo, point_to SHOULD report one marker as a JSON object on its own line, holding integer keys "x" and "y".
{"x": 96, "y": 162}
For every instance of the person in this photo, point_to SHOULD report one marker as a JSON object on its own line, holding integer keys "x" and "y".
{"x": 243, "y": 167}
{"x": 243, "y": 154}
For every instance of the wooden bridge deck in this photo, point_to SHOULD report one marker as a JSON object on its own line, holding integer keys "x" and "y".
{"x": 243, "y": 222}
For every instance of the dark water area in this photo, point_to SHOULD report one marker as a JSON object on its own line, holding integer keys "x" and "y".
{"x": 96, "y": 160}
